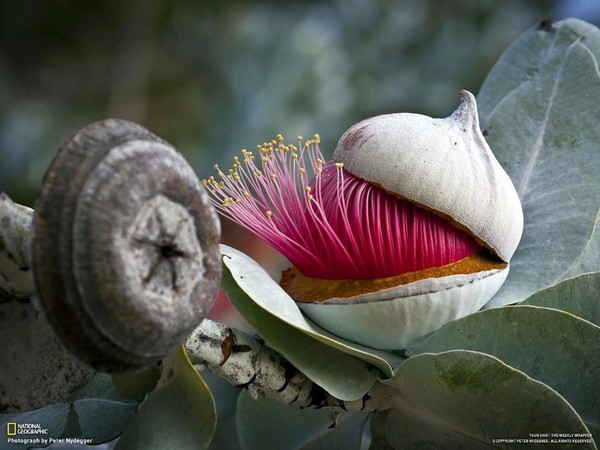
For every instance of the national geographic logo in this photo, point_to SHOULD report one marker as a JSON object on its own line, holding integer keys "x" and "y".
{"x": 36, "y": 434}
{"x": 26, "y": 433}
{"x": 25, "y": 429}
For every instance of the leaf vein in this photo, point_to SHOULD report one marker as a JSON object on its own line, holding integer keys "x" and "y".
{"x": 538, "y": 145}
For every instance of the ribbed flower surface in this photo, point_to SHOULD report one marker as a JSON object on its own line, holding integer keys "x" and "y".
{"x": 329, "y": 223}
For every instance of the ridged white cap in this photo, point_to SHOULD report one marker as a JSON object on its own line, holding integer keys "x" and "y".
{"x": 442, "y": 164}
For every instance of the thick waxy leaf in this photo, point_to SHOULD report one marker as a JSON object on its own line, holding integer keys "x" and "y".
{"x": 589, "y": 259}
{"x": 469, "y": 400}
{"x": 265, "y": 424}
{"x": 552, "y": 346}
{"x": 340, "y": 374}
{"x": 179, "y": 414}
{"x": 261, "y": 291}
{"x": 579, "y": 296}
{"x": 539, "y": 110}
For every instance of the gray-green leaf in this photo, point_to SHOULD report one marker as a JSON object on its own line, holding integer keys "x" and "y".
{"x": 179, "y": 414}
{"x": 589, "y": 259}
{"x": 552, "y": 346}
{"x": 539, "y": 109}
{"x": 468, "y": 400}
{"x": 579, "y": 296}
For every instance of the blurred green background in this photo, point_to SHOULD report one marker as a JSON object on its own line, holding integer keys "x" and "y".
{"x": 213, "y": 77}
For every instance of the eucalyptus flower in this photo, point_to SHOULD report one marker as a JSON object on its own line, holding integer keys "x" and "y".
{"x": 412, "y": 223}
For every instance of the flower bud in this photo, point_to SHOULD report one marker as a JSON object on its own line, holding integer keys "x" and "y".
{"x": 412, "y": 224}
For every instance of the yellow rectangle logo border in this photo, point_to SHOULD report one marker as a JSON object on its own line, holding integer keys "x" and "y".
{"x": 11, "y": 428}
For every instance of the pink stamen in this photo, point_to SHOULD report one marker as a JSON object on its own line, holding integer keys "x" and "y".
{"x": 336, "y": 226}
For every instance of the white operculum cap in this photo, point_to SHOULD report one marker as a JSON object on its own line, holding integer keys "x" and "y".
{"x": 444, "y": 165}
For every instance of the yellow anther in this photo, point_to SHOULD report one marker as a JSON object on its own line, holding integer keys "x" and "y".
{"x": 319, "y": 161}
{"x": 264, "y": 159}
{"x": 246, "y": 194}
{"x": 299, "y": 138}
{"x": 279, "y": 138}
{"x": 268, "y": 214}
{"x": 216, "y": 167}
{"x": 238, "y": 201}
{"x": 294, "y": 155}
{"x": 258, "y": 173}
{"x": 339, "y": 165}
{"x": 317, "y": 138}
{"x": 307, "y": 188}
{"x": 309, "y": 196}
{"x": 302, "y": 170}
{"x": 274, "y": 176}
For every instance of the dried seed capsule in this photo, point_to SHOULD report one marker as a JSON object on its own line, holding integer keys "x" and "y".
{"x": 125, "y": 246}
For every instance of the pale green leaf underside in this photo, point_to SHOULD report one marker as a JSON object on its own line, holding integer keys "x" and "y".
{"x": 463, "y": 400}
{"x": 179, "y": 414}
{"x": 539, "y": 109}
{"x": 551, "y": 346}
{"x": 265, "y": 293}
{"x": 579, "y": 296}
{"x": 266, "y": 424}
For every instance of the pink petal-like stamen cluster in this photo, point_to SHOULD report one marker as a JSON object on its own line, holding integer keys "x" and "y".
{"x": 327, "y": 222}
